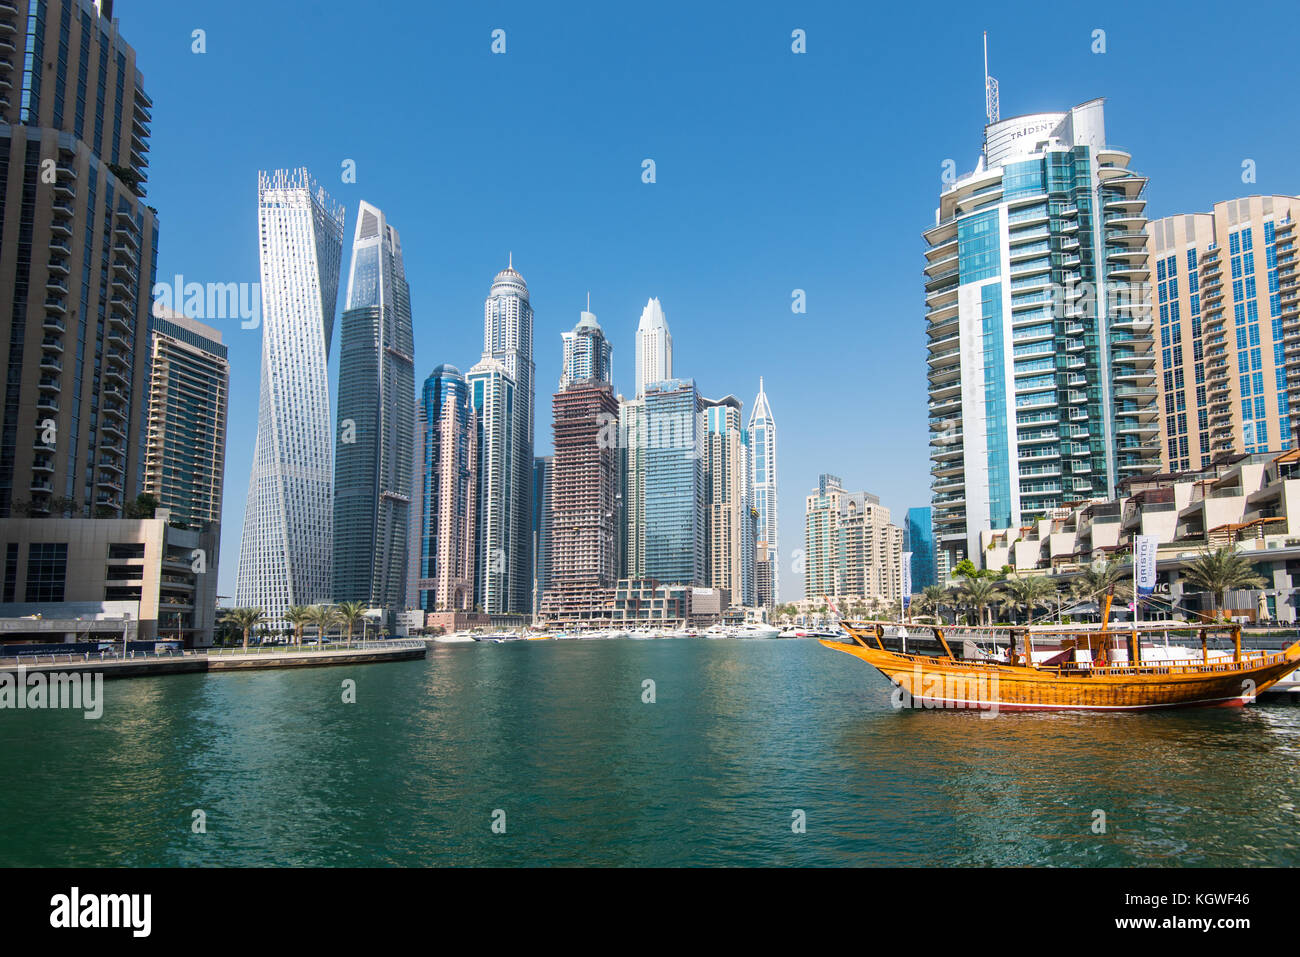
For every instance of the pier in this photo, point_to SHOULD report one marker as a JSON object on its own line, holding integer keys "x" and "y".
{"x": 139, "y": 664}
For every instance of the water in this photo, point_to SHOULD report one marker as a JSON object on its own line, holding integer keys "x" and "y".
{"x": 555, "y": 734}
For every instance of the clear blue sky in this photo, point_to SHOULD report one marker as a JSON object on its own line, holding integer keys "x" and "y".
{"x": 775, "y": 171}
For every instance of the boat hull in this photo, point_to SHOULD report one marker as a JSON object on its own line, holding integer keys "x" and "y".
{"x": 988, "y": 686}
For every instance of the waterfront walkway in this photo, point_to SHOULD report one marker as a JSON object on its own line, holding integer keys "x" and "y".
{"x": 113, "y": 665}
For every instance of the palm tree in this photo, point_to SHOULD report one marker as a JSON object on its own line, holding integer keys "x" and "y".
{"x": 298, "y": 616}
{"x": 932, "y": 599}
{"x": 1096, "y": 580}
{"x": 245, "y": 619}
{"x": 979, "y": 593}
{"x": 1027, "y": 592}
{"x": 349, "y": 613}
{"x": 320, "y": 617}
{"x": 1220, "y": 571}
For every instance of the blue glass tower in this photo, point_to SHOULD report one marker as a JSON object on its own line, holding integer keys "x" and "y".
{"x": 918, "y": 538}
{"x": 673, "y": 440}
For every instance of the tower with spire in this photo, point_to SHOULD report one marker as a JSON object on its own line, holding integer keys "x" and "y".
{"x": 508, "y": 341}
{"x": 762, "y": 438}
{"x": 654, "y": 347}
{"x": 588, "y": 355}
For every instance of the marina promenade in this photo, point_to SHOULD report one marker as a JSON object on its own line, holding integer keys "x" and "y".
{"x": 113, "y": 665}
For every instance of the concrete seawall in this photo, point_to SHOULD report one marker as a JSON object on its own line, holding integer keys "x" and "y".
{"x": 218, "y": 660}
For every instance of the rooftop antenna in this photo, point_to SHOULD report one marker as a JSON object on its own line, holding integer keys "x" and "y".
{"x": 990, "y": 87}
{"x": 589, "y": 300}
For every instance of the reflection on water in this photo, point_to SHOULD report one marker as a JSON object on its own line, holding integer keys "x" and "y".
{"x": 556, "y": 735}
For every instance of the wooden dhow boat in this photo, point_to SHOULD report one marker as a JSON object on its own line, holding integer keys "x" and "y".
{"x": 1100, "y": 670}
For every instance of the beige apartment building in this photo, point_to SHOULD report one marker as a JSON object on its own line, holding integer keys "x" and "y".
{"x": 1225, "y": 291}
{"x": 852, "y": 550}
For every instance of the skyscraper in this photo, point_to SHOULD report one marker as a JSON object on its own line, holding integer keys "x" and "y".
{"x": 853, "y": 551}
{"x": 1040, "y": 337}
{"x": 587, "y": 353}
{"x": 729, "y": 514}
{"x": 448, "y": 493}
{"x": 189, "y": 384}
{"x": 918, "y": 538}
{"x": 654, "y": 348}
{"x": 286, "y": 549}
{"x": 373, "y": 481}
{"x": 762, "y": 438}
{"x": 631, "y": 465}
{"x": 78, "y": 253}
{"x": 673, "y": 445}
{"x": 508, "y": 339}
{"x": 584, "y": 483}
{"x": 1225, "y": 294}
{"x": 493, "y": 395}
{"x": 542, "y": 468}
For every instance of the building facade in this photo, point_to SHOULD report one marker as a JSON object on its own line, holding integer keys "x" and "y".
{"x": 853, "y": 552}
{"x": 1225, "y": 291}
{"x": 918, "y": 539}
{"x": 762, "y": 437}
{"x": 1247, "y": 502}
{"x": 287, "y": 547}
{"x": 671, "y": 440}
{"x": 448, "y": 493}
{"x": 78, "y": 253}
{"x": 584, "y": 483}
{"x": 1040, "y": 351}
{"x": 654, "y": 347}
{"x": 587, "y": 353}
{"x": 189, "y": 384}
{"x": 373, "y": 478}
{"x": 508, "y": 340}
{"x": 631, "y": 470}
{"x": 542, "y": 467}
{"x": 730, "y": 518}
{"x": 493, "y": 395}
{"x": 141, "y": 572}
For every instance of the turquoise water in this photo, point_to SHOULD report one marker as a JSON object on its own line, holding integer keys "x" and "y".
{"x": 742, "y": 734}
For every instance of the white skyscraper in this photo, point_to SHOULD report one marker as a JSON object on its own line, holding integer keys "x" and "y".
{"x": 508, "y": 338}
{"x": 762, "y": 440}
{"x": 286, "y": 550}
{"x": 588, "y": 355}
{"x": 654, "y": 348}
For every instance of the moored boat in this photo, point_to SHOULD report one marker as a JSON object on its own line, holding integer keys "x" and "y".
{"x": 1088, "y": 672}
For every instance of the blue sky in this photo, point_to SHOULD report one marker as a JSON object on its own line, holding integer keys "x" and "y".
{"x": 775, "y": 172}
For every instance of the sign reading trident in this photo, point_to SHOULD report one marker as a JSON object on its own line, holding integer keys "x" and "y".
{"x": 990, "y": 86}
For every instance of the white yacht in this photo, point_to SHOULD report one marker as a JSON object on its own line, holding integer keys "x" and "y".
{"x": 752, "y": 630}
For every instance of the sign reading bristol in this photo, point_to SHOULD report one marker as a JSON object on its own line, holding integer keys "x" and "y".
{"x": 1144, "y": 555}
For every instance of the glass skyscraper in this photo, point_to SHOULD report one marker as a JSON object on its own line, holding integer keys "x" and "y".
{"x": 448, "y": 493}
{"x": 673, "y": 451}
{"x": 493, "y": 394}
{"x": 918, "y": 538}
{"x": 1226, "y": 299}
{"x": 78, "y": 253}
{"x": 508, "y": 339}
{"x": 287, "y": 546}
{"x": 376, "y": 421}
{"x": 1040, "y": 344}
{"x": 762, "y": 437}
{"x": 729, "y": 514}
{"x": 588, "y": 355}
